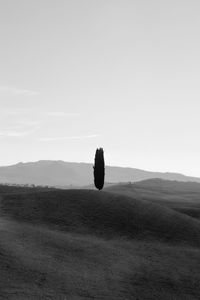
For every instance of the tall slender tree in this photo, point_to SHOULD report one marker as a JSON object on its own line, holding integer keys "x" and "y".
{"x": 99, "y": 169}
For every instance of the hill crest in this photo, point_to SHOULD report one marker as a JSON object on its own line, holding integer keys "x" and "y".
{"x": 102, "y": 214}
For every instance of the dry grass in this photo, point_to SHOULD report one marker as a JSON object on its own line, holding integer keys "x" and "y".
{"x": 181, "y": 196}
{"x": 94, "y": 245}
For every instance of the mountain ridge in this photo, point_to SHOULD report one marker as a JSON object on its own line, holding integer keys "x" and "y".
{"x": 64, "y": 174}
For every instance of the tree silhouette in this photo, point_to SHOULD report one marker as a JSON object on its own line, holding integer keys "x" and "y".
{"x": 99, "y": 169}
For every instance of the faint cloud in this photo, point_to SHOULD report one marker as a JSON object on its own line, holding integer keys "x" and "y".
{"x": 78, "y": 137}
{"x": 60, "y": 114}
{"x": 14, "y": 133}
{"x": 16, "y": 91}
{"x": 9, "y": 113}
{"x": 19, "y": 132}
{"x": 30, "y": 123}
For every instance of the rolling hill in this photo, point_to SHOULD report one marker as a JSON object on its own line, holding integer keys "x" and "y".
{"x": 85, "y": 244}
{"x": 181, "y": 196}
{"x": 66, "y": 174}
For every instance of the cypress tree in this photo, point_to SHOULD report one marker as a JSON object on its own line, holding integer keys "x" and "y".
{"x": 99, "y": 169}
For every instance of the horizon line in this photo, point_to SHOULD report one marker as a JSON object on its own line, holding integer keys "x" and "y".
{"x": 106, "y": 165}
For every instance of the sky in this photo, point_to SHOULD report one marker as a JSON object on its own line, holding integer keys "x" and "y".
{"x": 124, "y": 75}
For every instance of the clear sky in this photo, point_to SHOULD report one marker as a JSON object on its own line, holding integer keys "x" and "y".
{"x": 80, "y": 74}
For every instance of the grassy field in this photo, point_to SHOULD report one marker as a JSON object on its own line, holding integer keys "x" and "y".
{"x": 181, "y": 196}
{"x": 85, "y": 244}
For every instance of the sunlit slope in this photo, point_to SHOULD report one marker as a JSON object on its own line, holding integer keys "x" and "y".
{"x": 102, "y": 214}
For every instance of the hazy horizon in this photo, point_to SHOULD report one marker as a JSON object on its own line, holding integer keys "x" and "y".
{"x": 122, "y": 75}
{"x": 90, "y": 162}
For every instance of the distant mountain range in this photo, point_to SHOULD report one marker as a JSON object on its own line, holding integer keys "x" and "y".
{"x": 66, "y": 174}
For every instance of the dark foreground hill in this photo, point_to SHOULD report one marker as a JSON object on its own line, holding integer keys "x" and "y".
{"x": 101, "y": 214}
{"x": 65, "y": 174}
{"x": 84, "y": 244}
{"x": 181, "y": 196}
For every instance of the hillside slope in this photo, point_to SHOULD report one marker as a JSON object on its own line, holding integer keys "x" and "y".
{"x": 102, "y": 214}
{"x": 181, "y": 196}
{"x": 84, "y": 244}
